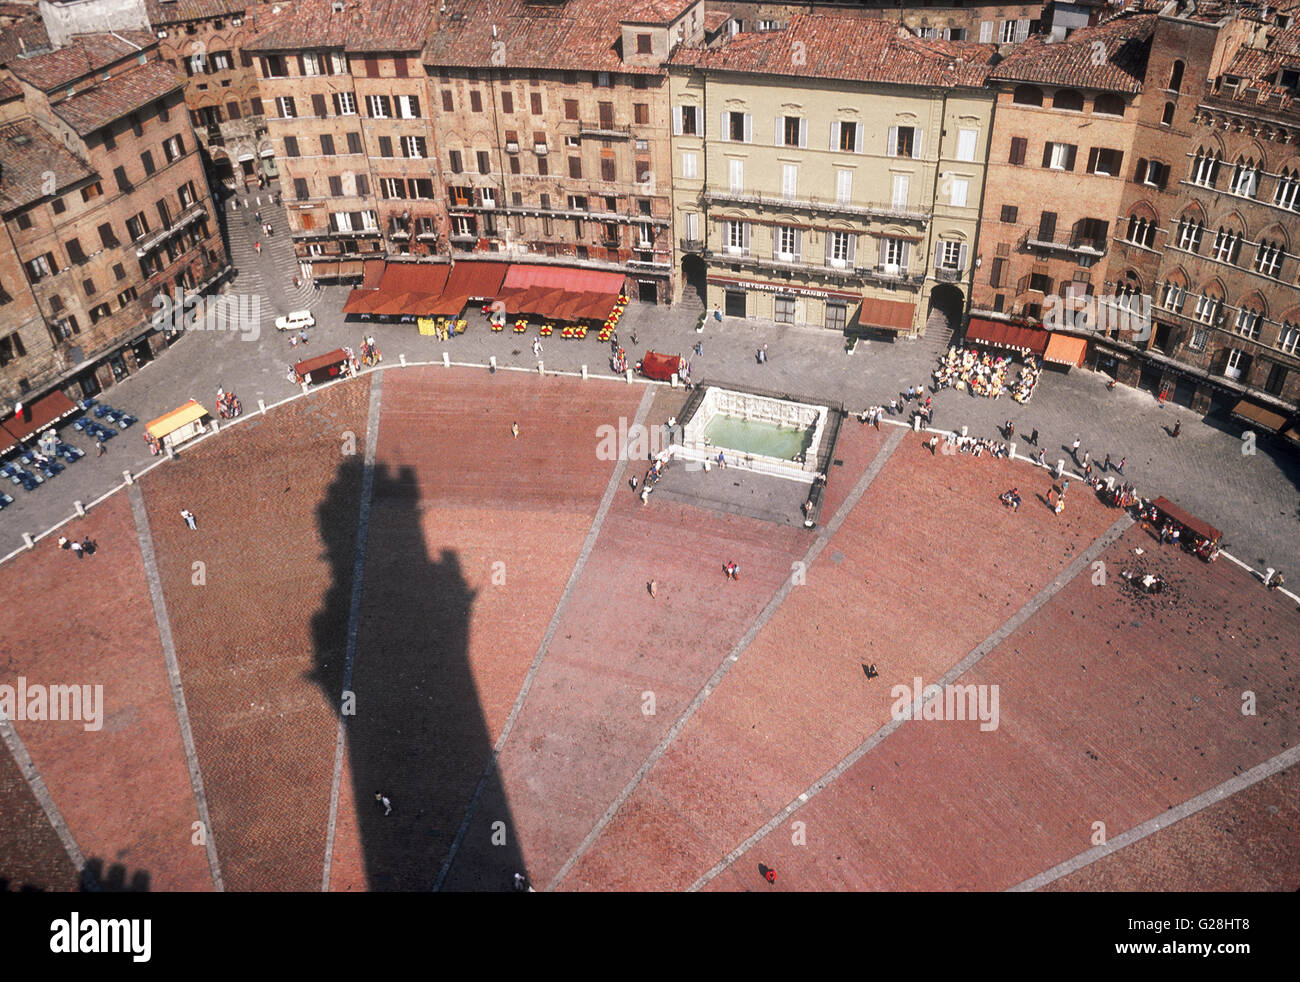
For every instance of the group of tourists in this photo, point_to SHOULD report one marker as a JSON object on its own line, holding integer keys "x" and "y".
{"x": 370, "y": 353}
{"x": 228, "y": 404}
{"x": 984, "y": 375}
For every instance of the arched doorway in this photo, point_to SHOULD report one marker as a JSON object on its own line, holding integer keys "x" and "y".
{"x": 944, "y": 314}
{"x": 694, "y": 277}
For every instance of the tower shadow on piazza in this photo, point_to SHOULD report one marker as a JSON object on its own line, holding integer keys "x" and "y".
{"x": 418, "y": 735}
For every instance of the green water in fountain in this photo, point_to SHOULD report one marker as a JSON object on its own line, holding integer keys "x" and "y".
{"x": 756, "y": 437}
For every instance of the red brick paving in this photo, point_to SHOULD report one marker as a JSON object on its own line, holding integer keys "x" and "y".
{"x": 457, "y": 493}
{"x": 31, "y": 855}
{"x": 1246, "y": 842}
{"x": 1114, "y": 708}
{"x": 124, "y": 790}
{"x": 278, "y": 566}
{"x": 798, "y": 700}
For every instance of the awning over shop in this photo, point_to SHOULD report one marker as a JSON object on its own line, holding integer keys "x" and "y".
{"x": 475, "y": 280}
{"x": 403, "y": 289}
{"x": 886, "y": 315}
{"x": 170, "y": 422}
{"x": 1000, "y": 334}
{"x": 564, "y": 277}
{"x": 1064, "y": 349}
{"x": 36, "y": 416}
{"x": 1204, "y": 529}
{"x": 1264, "y": 418}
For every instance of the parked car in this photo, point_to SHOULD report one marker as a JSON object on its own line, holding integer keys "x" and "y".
{"x": 295, "y": 321}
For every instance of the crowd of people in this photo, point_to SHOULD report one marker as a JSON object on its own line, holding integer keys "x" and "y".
{"x": 228, "y": 404}
{"x": 985, "y": 375}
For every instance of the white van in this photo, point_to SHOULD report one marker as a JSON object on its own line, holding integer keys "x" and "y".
{"x": 295, "y": 321}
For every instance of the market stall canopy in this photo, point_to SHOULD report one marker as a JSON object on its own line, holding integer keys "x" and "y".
{"x": 170, "y": 422}
{"x": 1000, "y": 334}
{"x": 886, "y": 315}
{"x": 1065, "y": 350}
{"x": 560, "y": 292}
{"x": 36, "y": 416}
{"x": 1264, "y": 418}
{"x": 321, "y": 362}
{"x": 475, "y": 280}
{"x": 658, "y": 366}
{"x": 1204, "y": 529}
{"x": 403, "y": 288}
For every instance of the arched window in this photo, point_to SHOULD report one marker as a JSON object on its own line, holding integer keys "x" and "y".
{"x": 1108, "y": 104}
{"x": 1249, "y": 322}
{"x": 1027, "y": 95}
{"x": 1189, "y": 233}
{"x": 1205, "y": 168}
{"x": 1168, "y": 118}
{"x": 1287, "y": 192}
{"x": 1128, "y": 290}
{"x": 1289, "y": 339}
{"x": 1245, "y": 178}
{"x": 1070, "y": 99}
{"x": 1176, "y": 77}
{"x": 1209, "y": 305}
{"x": 1268, "y": 258}
{"x": 1141, "y": 231}
{"x": 1227, "y": 245}
{"x": 1174, "y": 296}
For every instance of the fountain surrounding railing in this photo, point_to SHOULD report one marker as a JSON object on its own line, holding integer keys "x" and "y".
{"x": 695, "y": 444}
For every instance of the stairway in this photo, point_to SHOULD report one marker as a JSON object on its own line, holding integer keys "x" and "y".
{"x": 271, "y": 274}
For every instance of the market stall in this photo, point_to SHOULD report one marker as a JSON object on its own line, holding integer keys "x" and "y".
{"x": 172, "y": 429}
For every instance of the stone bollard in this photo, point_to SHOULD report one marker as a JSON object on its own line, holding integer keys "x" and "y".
{"x": 402, "y": 360}
{"x": 492, "y": 363}
{"x": 306, "y": 387}
{"x": 79, "y": 508}
{"x": 1011, "y": 451}
{"x": 541, "y": 368}
{"x": 1060, "y": 467}
{"x": 128, "y": 477}
{"x": 1110, "y": 484}
{"x": 261, "y": 406}
{"x": 963, "y": 431}
{"x": 446, "y": 359}
{"x": 214, "y": 426}
{"x": 916, "y": 424}
{"x": 584, "y": 373}
{"x": 629, "y": 376}
{"x": 171, "y": 452}
{"x": 28, "y": 541}
{"x": 673, "y": 380}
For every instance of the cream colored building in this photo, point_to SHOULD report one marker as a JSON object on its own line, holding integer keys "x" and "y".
{"x": 810, "y": 190}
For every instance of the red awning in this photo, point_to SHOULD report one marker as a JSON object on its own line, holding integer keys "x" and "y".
{"x": 321, "y": 362}
{"x": 564, "y": 277}
{"x": 36, "y": 416}
{"x": 887, "y": 315}
{"x": 374, "y": 272}
{"x": 475, "y": 280}
{"x": 1000, "y": 334}
{"x": 404, "y": 289}
{"x": 1204, "y": 529}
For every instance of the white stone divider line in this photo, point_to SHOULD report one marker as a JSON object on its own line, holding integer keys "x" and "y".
{"x": 1220, "y": 792}
{"x": 612, "y": 487}
{"x": 354, "y": 615}
{"x": 154, "y": 579}
{"x": 41, "y": 793}
{"x": 989, "y": 644}
{"x": 824, "y": 535}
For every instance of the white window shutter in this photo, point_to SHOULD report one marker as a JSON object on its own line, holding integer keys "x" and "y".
{"x": 1022, "y": 29}
{"x": 798, "y": 243}
{"x": 803, "y": 132}
{"x": 857, "y": 142}
{"x": 881, "y": 261}
{"x": 778, "y": 138}
{"x": 677, "y": 120}
{"x": 891, "y": 144}
{"x": 724, "y": 126}
{"x": 938, "y": 255}
{"x": 986, "y": 32}
{"x": 749, "y": 128}
{"x": 919, "y": 146}
{"x": 961, "y": 257}
{"x": 853, "y": 247}
{"x": 835, "y": 136}
{"x": 744, "y": 236}
{"x": 905, "y": 256}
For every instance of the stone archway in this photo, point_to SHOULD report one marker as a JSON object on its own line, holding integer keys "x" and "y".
{"x": 943, "y": 317}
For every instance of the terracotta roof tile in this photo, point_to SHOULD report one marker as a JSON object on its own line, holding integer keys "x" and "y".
{"x": 372, "y": 25}
{"x": 654, "y": 11}
{"x": 85, "y": 55}
{"x": 27, "y": 152}
{"x": 176, "y": 11}
{"x": 24, "y": 35}
{"x": 106, "y": 101}
{"x": 581, "y": 35}
{"x": 848, "y": 49}
{"x": 1126, "y": 43}
{"x": 1282, "y": 50}
{"x": 9, "y": 89}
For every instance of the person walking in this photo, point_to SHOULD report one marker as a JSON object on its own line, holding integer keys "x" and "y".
{"x": 384, "y": 803}
{"x": 1074, "y": 450}
{"x": 258, "y": 247}
{"x": 1120, "y": 466}
{"x": 1033, "y": 437}
{"x": 1039, "y": 460}
{"x": 514, "y": 430}
{"x": 100, "y": 450}
{"x": 189, "y": 519}
{"x": 1087, "y": 460}
{"x": 76, "y": 548}
{"x": 653, "y": 587}
{"x": 1178, "y": 427}
{"x": 1105, "y": 464}
{"x": 537, "y": 353}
